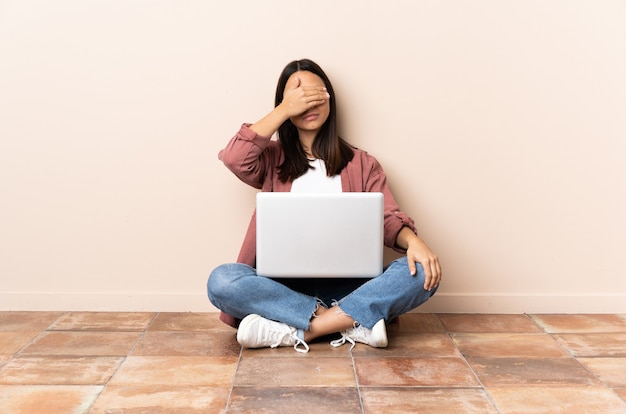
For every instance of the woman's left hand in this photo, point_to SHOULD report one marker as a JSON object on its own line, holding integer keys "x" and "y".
{"x": 418, "y": 252}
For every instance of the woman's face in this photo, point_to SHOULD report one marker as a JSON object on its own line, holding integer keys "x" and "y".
{"x": 313, "y": 119}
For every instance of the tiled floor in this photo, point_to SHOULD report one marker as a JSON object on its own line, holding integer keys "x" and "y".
{"x": 80, "y": 362}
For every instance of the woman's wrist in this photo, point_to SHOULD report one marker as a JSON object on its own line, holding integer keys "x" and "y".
{"x": 271, "y": 122}
{"x": 406, "y": 237}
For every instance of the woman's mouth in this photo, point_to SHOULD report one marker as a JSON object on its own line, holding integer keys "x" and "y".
{"x": 310, "y": 117}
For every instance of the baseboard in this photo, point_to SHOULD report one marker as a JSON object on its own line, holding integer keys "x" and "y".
{"x": 106, "y": 302}
{"x": 524, "y": 303}
{"x": 198, "y": 302}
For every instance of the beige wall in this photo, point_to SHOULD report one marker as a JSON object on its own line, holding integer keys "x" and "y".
{"x": 501, "y": 124}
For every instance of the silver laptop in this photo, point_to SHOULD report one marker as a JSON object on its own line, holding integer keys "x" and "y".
{"x": 319, "y": 234}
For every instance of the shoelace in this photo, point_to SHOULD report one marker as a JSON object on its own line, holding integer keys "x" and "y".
{"x": 344, "y": 337}
{"x": 297, "y": 342}
{"x": 305, "y": 346}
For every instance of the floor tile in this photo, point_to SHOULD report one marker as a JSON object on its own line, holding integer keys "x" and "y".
{"x": 161, "y": 399}
{"x": 27, "y": 321}
{"x": 144, "y": 362}
{"x": 287, "y": 400}
{"x": 426, "y": 400}
{"x": 54, "y": 370}
{"x": 594, "y": 345}
{"x": 83, "y": 343}
{"x": 431, "y": 372}
{"x": 531, "y": 371}
{"x": 187, "y": 343}
{"x": 528, "y": 400}
{"x": 497, "y": 345}
{"x": 416, "y": 323}
{"x": 597, "y": 323}
{"x": 4, "y": 358}
{"x": 612, "y": 371}
{"x": 318, "y": 349}
{"x": 11, "y": 342}
{"x": 295, "y": 371}
{"x": 621, "y": 392}
{"x": 176, "y": 371}
{"x": 189, "y": 322}
{"x": 103, "y": 321}
{"x": 488, "y": 323}
{"x": 47, "y": 399}
{"x": 411, "y": 345}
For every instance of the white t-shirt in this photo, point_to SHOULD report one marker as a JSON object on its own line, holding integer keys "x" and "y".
{"x": 316, "y": 181}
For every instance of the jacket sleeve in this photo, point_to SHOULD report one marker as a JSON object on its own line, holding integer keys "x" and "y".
{"x": 246, "y": 155}
{"x": 395, "y": 219}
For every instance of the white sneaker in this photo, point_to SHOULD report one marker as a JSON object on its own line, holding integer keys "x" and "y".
{"x": 257, "y": 332}
{"x": 376, "y": 337}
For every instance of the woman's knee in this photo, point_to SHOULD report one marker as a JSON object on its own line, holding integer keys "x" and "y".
{"x": 221, "y": 282}
{"x": 402, "y": 274}
{"x": 401, "y": 267}
{"x": 420, "y": 281}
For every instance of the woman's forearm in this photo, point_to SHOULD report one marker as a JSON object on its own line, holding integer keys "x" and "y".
{"x": 405, "y": 237}
{"x": 270, "y": 123}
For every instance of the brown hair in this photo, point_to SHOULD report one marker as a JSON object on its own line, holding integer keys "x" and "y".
{"x": 328, "y": 146}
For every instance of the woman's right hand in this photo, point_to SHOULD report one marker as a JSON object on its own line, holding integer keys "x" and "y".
{"x": 298, "y": 99}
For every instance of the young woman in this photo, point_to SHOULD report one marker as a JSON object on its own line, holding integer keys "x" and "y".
{"x": 309, "y": 157}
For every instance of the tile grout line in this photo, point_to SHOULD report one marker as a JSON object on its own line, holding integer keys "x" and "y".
{"x": 593, "y": 374}
{"x": 37, "y": 337}
{"x": 232, "y": 384}
{"x": 43, "y": 331}
{"x": 482, "y": 386}
{"x": 356, "y": 381}
{"x": 571, "y": 354}
{"x": 124, "y": 358}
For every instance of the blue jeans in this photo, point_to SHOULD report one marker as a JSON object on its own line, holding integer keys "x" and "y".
{"x": 236, "y": 290}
